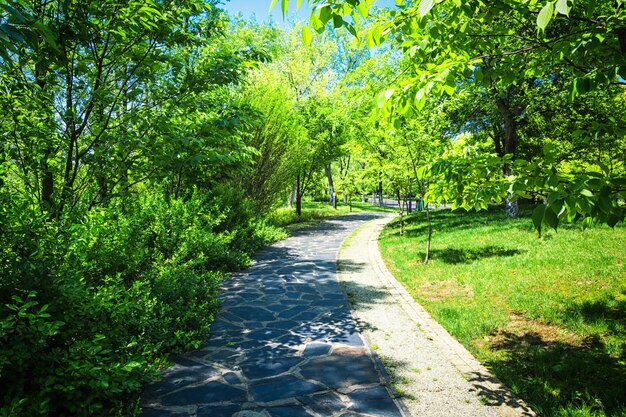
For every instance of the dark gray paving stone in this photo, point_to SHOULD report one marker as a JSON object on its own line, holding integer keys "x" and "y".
{"x": 283, "y": 324}
{"x": 306, "y": 316}
{"x": 221, "y": 356}
{"x": 325, "y": 404}
{"x": 252, "y": 314}
{"x": 382, "y": 407}
{"x": 268, "y": 367}
{"x": 218, "y": 410}
{"x": 223, "y": 326}
{"x": 316, "y": 349}
{"x": 331, "y": 303}
{"x": 274, "y": 290}
{"x": 369, "y": 394}
{"x": 282, "y": 388}
{"x": 293, "y": 311}
{"x": 273, "y": 352}
{"x": 153, "y": 412}
{"x": 227, "y": 315}
{"x": 348, "y": 337}
{"x": 179, "y": 376}
{"x": 265, "y": 335}
{"x": 232, "y": 378}
{"x": 277, "y": 307}
{"x": 288, "y": 411}
{"x": 207, "y": 393}
{"x": 251, "y": 325}
{"x": 344, "y": 368}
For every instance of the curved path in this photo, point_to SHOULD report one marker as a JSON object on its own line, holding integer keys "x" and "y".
{"x": 284, "y": 344}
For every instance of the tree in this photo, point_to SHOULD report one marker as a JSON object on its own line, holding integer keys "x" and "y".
{"x": 585, "y": 40}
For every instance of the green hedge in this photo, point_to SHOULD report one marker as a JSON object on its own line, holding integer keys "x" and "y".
{"x": 90, "y": 307}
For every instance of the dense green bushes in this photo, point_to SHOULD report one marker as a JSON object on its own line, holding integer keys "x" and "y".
{"x": 91, "y": 306}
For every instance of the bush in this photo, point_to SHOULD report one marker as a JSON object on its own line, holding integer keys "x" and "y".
{"x": 91, "y": 306}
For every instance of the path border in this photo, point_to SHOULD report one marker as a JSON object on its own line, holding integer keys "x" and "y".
{"x": 487, "y": 386}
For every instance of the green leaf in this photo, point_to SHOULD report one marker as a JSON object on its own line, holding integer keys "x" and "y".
{"x": 325, "y": 14}
{"x": 19, "y": 18}
{"x": 562, "y": 7}
{"x": 545, "y": 15}
{"x": 272, "y": 4}
{"x": 298, "y": 4}
{"x": 425, "y": 6}
{"x": 363, "y": 9}
{"x": 538, "y": 215}
{"x": 307, "y": 37}
{"x": 337, "y": 21}
{"x": 380, "y": 101}
{"x": 604, "y": 201}
{"x": 284, "y": 4}
{"x": 551, "y": 218}
{"x": 586, "y": 193}
{"x": 612, "y": 220}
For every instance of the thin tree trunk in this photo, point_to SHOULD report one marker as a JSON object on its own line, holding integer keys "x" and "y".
{"x": 298, "y": 197}
{"x": 331, "y": 186}
{"x": 430, "y": 231}
{"x": 400, "y": 212}
{"x": 510, "y": 146}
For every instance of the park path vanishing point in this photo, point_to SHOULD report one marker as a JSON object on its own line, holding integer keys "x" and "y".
{"x": 284, "y": 344}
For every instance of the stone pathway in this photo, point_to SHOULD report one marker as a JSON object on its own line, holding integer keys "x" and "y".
{"x": 284, "y": 344}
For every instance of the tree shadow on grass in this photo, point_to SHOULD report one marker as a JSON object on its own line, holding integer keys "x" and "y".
{"x": 460, "y": 256}
{"x": 556, "y": 375}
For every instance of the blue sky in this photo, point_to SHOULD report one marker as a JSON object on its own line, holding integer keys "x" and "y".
{"x": 260, "y": 9}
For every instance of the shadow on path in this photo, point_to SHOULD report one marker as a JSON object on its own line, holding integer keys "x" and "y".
{"x": 284, "y": 342}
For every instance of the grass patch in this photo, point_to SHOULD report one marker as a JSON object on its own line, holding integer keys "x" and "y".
{"x": 547, "y": 315}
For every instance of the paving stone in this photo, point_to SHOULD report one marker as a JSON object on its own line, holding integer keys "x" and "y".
{"x": 221, "y": 356}
{"x": 268, "y": 367}
{"x": 231, "y": 378}
{"x": 253, "y": 313}
{"x": 277, "y": 307}
{"x": 316, "y": 349}
{"x": 179, "y": 376}
{"x": 218, "y": 410}
{"x": 207, "y": 393}
{"x": 266, "y": 334}
{"x": 283, "y": 324}
{"x": 306, "y": 316}
{"x": 289, "y": 411}
{"x": 325, "y": 404}
{"x": 281, "y": 388}
{"x": 382, "y": 407}
{"x": 153, "y": 412}
{"x": 344, "y": 368}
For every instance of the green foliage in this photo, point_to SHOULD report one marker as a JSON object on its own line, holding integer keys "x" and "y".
{"x": 90, "y": 307}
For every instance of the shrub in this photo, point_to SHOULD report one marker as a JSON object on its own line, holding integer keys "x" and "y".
{"x": 91, "y": 305}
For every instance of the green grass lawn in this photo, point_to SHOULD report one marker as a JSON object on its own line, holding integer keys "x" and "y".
{"x": 547, "y": 315}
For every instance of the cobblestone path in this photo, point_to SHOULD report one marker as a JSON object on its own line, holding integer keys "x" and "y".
{"x": 284, "y": 343}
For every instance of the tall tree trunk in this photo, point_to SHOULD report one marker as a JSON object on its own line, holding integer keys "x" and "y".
{"x": 331, "y": 186}
{"x": 400, "y": 211}
{"x": 510, "y": 146}
{"x": 430, "y": 231}
{"x": 292, "y": 197}
{"x": 298, "y": 197}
